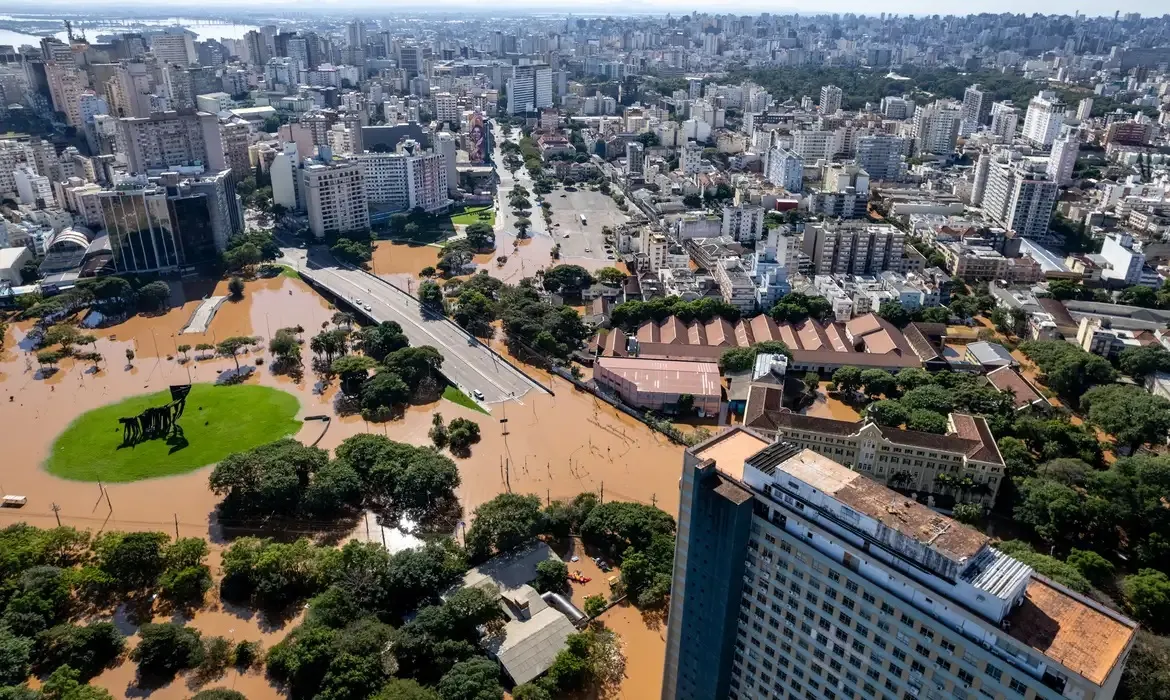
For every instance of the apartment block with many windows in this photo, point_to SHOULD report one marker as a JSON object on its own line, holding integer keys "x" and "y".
{"x": 963, "y": 463}
{"x": 335, "y": 198}
{"x": 798, "y": 579}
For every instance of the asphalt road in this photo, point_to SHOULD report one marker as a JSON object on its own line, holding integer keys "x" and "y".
{"x": 466, "y": 362}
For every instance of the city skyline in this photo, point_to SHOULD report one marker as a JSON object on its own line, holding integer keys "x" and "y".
{"x": 917, "y": 8}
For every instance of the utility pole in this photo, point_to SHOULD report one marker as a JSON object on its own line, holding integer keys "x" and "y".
{"x": 176, "y": 526}
{"x": 602, "y": 499}
{"x": 57, "y": 512}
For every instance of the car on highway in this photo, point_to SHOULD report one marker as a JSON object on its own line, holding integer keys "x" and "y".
{"x": 565, "y": 236}
{"x": 367, "y": 307}
{"x": 477, "y": 394}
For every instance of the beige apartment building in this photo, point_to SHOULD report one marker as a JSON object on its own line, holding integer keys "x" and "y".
{"x": 335, "y": 198}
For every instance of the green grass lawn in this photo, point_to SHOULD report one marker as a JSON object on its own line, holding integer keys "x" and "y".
{"x": 470, "y": 215}
{"x": 455, "y": 396}
{"x": 217, "y": 421}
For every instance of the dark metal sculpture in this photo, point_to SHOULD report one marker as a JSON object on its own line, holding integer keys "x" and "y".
{"x": 156, "y": 422}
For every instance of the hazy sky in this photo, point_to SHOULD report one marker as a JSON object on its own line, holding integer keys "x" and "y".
{"x": 380, "y": 7}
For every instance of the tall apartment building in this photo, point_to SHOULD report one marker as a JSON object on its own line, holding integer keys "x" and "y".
{"x": 1004, "y": 120}
{"x": 635, "y": 159}
{"x": 744, "y": 223}
{"x": 1019, "y": 197}
{"x": 1044, "y": 118}
{"x": 1084, "y": 108}
{"x": 818, "y": 145}
{"x": 171, "y": 139}
{"x": 174, "y": 48}
{"x": 785, "y": 169}
{"x": 530, "y": 89}
{"x": 692, "y": 158}
{"x": 335, "y": 197}
{"x": 796, "y": 578}
{"x": 237, "y": 137}
{"x": 1063, "y": 159}
{"x": 881, "y": 156}
{"x": 406, "y": 179}
{"x": 856, "y": 248}
{"x": 831, "y": 97}
{"x": 446, "y": 108}
{"x": 66, "y": 85}
{"x": 935, "y": 128}
{"x": 975, "y": 110}
{"x": 257, "y": 48}
{"x": 897, "y": 107}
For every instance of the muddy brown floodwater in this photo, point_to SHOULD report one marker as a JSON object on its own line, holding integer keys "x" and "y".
{"x": 550, "y": 446}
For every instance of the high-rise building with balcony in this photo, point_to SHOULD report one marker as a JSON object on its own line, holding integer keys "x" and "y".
{"x": 335, "y": 197}
{"x": 831, "y": 97}
{"x": 1044, "y": 118}
{"x": 796, "y": 578}
{"x": 163, "y": 140}
{"x": 1019, "y": 196}
{"x": 529, "y": 89}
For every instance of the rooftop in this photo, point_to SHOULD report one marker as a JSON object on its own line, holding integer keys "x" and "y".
{"x": 730, "y": 449}
{"x": 666, "y": 376}
{"x": 1005, "y": 378}
{"x": 1082, "y": 635}
{"x": 890, "y": 508}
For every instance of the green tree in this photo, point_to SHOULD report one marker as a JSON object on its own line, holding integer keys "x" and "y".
{"x": 381, "y": 340}
{"x": 847, "y": 379}
{"x": 1092, "y": 566}
{"x": 353, "y": 371}
{"x": 481, "y": 236}
{"x": 65, "y": 684}
{"x": 1017, "y": 458}
{"x": 219, "y": 694}
{"x": 895, "y": 313}
{"x": 878, "y": 382}
{"x": 154, "y": 296}
{"x": 502, "y": 524}
{"x": 1148, "y": 594}
{"x": 1131, "y": 415}
{"x": 384, "y": 392}
{"x": 887, "y": 412}
{"x": 236, "y": 288}
{"x": 165, "y": 649}
{"x": 610, "y": 276}
{"x": 969, "y": 513}
{"x": 14, "y": 657}
{"x": 552, "y": 575}
{"x": 926, "y": 421}
{"x": 400, "y": 689}
{"x": 134, "y": 560}
{"x": 567, "y": 279}
{"x": 1143, "y": 360}
{"x": 1068, "y": 369}
{"x": 230, "y": 347}
{"x": 462, "y": 433}
{"x": 928, "y": 398}
{"x": 475, "y": 679}
{"x": 89, "y": 649}
{"x": 595, "y": 605}
{"x": 1061, "y": 572}
{"x": 430, "y": 294}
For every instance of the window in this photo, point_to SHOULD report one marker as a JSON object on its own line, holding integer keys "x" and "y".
{"x": 1018, "y": 687}
{"x": 994, "y": 671}
{"x": 966, "y": 677}
{"x": 907, "y": 620}
{"x": 947, "y": 646}
{"x": 887, "y": 609}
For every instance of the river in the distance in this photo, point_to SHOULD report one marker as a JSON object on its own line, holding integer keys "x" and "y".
{"x": 204, "y": 29}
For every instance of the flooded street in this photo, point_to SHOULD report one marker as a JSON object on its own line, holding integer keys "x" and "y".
{"x": 550, "y": 446}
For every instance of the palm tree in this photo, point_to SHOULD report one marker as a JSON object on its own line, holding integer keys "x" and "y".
{"x": 317, "y": 344}
{"x": 342, "y": 318}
